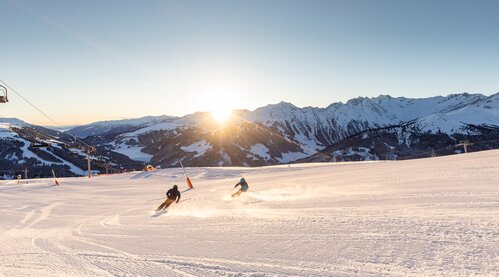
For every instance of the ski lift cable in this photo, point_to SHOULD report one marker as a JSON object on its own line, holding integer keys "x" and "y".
{"x": 46, "y": 115}
{"x": 41, "y": 135}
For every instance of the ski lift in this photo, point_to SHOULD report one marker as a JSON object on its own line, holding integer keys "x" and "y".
{"x": 100, "y": 162}
{"x": 39, "y": 145}
{"x": 91, "y": 149}
{"x": 3, "y": 94}
{"x": 72, "y": 146}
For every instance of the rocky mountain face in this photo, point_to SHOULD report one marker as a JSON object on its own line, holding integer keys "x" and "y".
{"x": 383, "y": 127}
{"x": 321, "y": 127}
{"x": 118, "y": 126}
{"x": 239, "y": 142}
{"x": 41, "y": 150}
{"x": 283, "y": 133}
{"x": 406, "y": 141}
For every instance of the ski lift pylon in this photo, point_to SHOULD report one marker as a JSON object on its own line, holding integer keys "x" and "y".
{"x": 3, "y": 94}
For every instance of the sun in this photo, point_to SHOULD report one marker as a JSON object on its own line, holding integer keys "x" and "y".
{"x": 220, "y": 98}
{"x": 221, "y": 114}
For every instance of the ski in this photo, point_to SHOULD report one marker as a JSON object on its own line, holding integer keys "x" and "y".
{"x": 157, "y": 213}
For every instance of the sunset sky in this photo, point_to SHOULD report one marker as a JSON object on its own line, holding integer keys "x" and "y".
{"x": 83, "y": 61}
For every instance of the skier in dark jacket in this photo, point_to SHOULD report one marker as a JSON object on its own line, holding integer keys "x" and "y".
{"x": 172, "y": 195}
{"x": 244, "y": 187}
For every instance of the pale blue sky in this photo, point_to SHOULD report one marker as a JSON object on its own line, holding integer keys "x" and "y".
{"x": 82, "y": 61}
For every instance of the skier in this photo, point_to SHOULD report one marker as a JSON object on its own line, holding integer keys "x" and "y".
{"x": 244, "y": 187}
{"x": 172, "y": 195}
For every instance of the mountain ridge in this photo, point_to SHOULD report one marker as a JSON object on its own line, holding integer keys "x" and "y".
{"x": 288, "y": 105}
{"x": 381, "y": 127}
{"x": 312, "y": 129}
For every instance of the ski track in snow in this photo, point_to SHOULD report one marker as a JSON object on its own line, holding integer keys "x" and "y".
{"x": 423, "y": 217}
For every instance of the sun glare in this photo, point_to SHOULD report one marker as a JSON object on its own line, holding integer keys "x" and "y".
{"x": 221, "y": 114}
{"x": 221, "y": 97}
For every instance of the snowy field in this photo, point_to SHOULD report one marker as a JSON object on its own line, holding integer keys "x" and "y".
{"x": 426, "y": 217}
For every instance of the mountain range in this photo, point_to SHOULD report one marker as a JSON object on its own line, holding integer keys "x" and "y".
{"x": 363, "y": 128}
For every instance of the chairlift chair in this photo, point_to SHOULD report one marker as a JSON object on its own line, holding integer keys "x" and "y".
{"x": 39, "y": 145}
{"x": 72, "y": 146}
{"x": 99, "y": 163}
{"x": 3, "y": 94}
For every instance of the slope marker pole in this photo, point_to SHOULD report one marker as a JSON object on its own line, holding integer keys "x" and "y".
{"x": 88, "y": 164}
{"x": 189, "y": 183}
{"x": 55, "y": 178}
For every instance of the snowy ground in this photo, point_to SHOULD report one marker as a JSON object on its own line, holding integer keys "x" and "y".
{"x": 436, "y": 216}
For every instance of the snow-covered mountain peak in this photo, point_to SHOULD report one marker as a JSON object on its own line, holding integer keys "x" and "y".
{"x": 119, "y": 126}
{"x": 358, "y": 101}
{"x": 279, "y": 111}
{"x": 494, "y": 98}
{"x": 13, "y": 121}
{"x": 134, "y": 121}
{"x": 363, "y": 112}
{"x": 281, "y": 106}
{"x": 280, "y": 132}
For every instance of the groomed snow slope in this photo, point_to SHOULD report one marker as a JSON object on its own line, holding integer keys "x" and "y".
{"x": 424, "y": 217}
